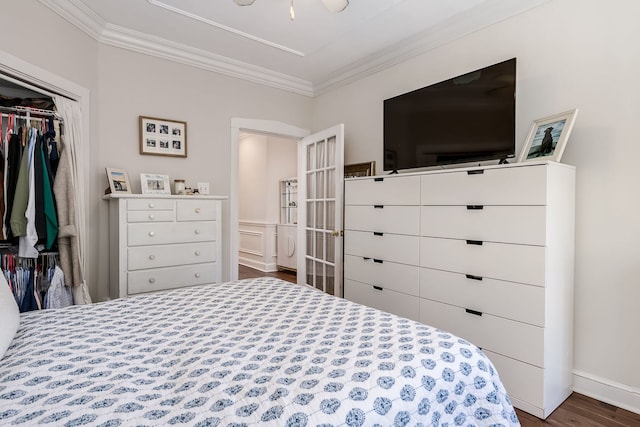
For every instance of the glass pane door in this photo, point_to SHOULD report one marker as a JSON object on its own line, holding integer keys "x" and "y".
{"x": 320, "y": 210}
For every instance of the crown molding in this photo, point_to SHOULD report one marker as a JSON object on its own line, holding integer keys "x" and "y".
{"x": 490, "y": 12}
{"x": 90, "y": 23}
{"x": 136, "y": 41}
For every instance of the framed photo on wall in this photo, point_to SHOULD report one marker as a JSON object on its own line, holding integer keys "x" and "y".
{"x": 163, "y": 137}
{"x": 152, "y": 183}
{"x": 548, "y": 137}
{"x": 118, "y": 181}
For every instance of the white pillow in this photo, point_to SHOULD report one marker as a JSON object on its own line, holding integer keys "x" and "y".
{"x": 9, "y": 316}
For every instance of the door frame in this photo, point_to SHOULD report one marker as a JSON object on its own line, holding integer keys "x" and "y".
{"x": 265, "y": 127}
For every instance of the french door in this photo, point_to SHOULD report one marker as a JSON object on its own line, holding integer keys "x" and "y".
{"x": 320, "y": 195}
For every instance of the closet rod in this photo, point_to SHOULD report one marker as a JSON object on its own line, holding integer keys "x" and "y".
{"x": 30, "y": 110}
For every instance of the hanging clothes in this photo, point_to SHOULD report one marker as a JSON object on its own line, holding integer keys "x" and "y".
{"x": 58, "y": 295}
{"x": 14, "y": 159}
{"x": 67, "y": 231}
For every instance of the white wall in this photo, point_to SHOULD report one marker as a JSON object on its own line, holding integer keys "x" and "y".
{"x": 570, "y": 54}
{"x": 264, "y": 161}
{"x": 124, "y": 85}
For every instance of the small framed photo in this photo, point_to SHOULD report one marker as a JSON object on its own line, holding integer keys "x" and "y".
{"x": 118, "y": 181}
{"x": 548, "y": 137}
{"x": 163, "y": 137}
{"x": 360, "y": 169}
{"x": 152, "y": 183}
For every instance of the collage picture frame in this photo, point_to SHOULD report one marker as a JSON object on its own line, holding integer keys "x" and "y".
{"x": 163, "y": 137}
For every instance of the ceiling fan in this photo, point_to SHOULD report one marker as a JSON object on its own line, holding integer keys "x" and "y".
{"x": 333, "y": 6}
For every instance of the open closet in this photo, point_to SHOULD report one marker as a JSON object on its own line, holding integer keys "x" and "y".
{"x": 39, "y": 235}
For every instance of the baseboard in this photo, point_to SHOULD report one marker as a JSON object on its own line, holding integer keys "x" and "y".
{"x": 607, "y": 391}
{"x": 258, "y": 265}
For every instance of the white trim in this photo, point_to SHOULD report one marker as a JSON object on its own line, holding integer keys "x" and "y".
{"x": 224, "y": 27}
{"x": 490, "y": 12}
{"x": 613, "y": 393}
{"x": 269, "y": 127}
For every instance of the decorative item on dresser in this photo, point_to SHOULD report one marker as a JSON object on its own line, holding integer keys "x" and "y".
{"x": 485, "y": 253}
{"x": 360, "y": 169}
{"x": 152, "y": 183}
{"x": 118, "y": 181}
{"x": 161, "y": 242}
{"x": 548, "y": 137}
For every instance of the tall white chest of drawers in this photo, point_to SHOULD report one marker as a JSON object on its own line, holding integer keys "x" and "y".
{"x": 486, "y": 253}
{"x": 163, "y": 242}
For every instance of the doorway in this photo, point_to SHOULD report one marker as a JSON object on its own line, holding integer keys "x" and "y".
{"x": 251, "y": 126}
{"x": 267, "y": 164}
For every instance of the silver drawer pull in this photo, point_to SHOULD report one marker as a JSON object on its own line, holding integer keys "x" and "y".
{"x": 197, "y": 210}
{"x": 197, "y": 231}
{"x": 152, "y": 217}
{"x": 151, "y": 205}
{"x": 152, "y": 257}
{"x": 152, "y": 280}
{"x": 197, "y": 253}
{"x": 152, "y": 233}
{"x": 197, "y": 275}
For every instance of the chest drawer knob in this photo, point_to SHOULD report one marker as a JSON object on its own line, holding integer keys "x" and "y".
{"x": 152, "y": 233}
{"x": 152, "y": 217}
{"x": 197, "y": 210}
{"x": 474, "y": 242}
{"x": 472, "y": 277}
{"x": 197, "y": 275}
{"x": 474, "y": 312}
{"x": 197, "y": 231}
{"x": 152, "y": 280}
{"x": 152, "y": 257}
{"x": 197, "y": 253}
{"x": 152, "y": 205}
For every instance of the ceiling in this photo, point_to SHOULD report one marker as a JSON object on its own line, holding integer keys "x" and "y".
{"x": 315, "y": 52}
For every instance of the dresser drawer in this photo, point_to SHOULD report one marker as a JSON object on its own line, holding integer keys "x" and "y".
{"x": 521, "y": 185}
{"x": 524, "y": 383}
{"x": 525, "y": 343}
{"x": 396, "y": 190}
{"x": 170, "y": 232}
{"x": 160, "y": 279}
{"x": 196, "y": 210}
{"x": 150, "y": 204}
{"x": 513, "y": 263}
{"x": 515, "y": 301}
{"x": 388, "y": 219}
{"x": 383, "y": 299}
{"x": 150, "y": 216}
{"x": 388, "y": 275}
{"x": 140, "y": 257}
{"x": 507, "y": 224}
{"x": 384, "y": 246}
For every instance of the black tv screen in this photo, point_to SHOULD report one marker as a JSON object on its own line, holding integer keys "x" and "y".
{"x": 464, "y": 119}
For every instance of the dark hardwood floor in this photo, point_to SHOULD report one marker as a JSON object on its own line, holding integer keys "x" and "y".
{"x": 249, "y": 273}
{"x": 577, "y": 411}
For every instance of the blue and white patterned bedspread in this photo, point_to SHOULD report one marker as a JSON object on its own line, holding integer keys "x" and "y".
{"x": 256, "y": 352}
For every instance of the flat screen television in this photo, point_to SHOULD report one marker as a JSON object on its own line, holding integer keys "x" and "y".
{"x": 464, "y": 119}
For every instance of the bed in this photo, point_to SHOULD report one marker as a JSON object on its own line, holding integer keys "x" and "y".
{"x": 250, "y": 352}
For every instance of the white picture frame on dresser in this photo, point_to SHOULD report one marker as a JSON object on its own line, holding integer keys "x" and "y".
{"x": 160, "y": 242}
{"x": 547, "y": 137}
{"x": 153, "y": 183}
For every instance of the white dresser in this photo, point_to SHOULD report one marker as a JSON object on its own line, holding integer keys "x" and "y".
{"x": 495, "y": 257}
{"x": 159, "y": 242}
